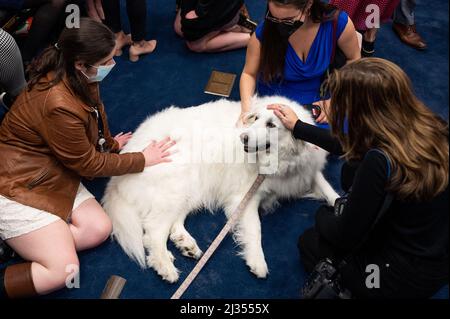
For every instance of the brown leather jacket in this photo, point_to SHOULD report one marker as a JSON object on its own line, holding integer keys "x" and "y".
{"x": 48, "y": 141}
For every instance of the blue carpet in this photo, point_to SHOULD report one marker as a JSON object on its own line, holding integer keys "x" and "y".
{"x": 173, "y": 75}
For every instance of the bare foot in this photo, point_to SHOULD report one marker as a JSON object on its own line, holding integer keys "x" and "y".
{"x": 122, "y": 40}
{"x": 142, "y": 47}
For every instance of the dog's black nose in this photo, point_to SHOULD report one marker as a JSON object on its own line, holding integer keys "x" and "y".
{"x": 244, "y": 138}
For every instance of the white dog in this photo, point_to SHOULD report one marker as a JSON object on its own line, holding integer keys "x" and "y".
{"x": 214, "y": 167}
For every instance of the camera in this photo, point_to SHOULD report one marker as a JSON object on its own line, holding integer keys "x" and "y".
{"x": 325, "y": 283}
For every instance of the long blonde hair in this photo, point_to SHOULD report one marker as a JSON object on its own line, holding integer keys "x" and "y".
{"x": 377, "y": 99}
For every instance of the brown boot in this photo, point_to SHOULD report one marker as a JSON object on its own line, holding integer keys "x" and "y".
{"x": 408, "y": 34}
{"x": 16, "y": 282}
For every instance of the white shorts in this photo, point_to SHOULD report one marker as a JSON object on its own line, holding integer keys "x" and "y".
{"x": 17, "y": 219}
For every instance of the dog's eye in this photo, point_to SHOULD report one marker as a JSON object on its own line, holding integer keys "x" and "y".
{"x": 270, "y": 125}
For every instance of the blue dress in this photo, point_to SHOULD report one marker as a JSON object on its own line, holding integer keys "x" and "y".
{"x": 302, "y": 80}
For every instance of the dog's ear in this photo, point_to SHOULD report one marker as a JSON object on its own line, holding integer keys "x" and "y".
{"x": 249, "y": 117}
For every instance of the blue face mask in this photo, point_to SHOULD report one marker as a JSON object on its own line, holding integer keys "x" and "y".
{"x": 102, "y": 72}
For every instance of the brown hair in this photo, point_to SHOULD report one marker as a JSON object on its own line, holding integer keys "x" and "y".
{"x": 274, "y": 47}
{"x": 90, "y": 43}
{"x": 377, "y": 99}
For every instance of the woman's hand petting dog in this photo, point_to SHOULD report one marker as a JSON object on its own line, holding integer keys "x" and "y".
{"x": 123, "y": 139}
{"x": 158, "y": 152}
{"x": 285, "y": 114}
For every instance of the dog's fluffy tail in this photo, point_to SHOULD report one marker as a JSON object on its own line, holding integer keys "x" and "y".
{"x": 127, "y": 228}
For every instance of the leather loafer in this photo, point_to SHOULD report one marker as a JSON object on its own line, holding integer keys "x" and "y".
{"x": 408, "y": 34}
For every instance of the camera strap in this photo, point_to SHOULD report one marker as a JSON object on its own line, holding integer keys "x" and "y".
{"x": 384, "y": 208}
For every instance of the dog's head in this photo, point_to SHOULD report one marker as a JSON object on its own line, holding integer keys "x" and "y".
{"x": 265, "y": 134}
{"x": 260, "y": 123}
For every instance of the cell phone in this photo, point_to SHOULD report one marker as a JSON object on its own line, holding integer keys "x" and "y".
{"x": 314, "y": 108}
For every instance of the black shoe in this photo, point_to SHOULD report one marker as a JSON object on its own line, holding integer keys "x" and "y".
{"x": 6, "y": 101}
{"x": 368, "y": 48}
{"x": 3, "y": 294}
{"x": 3, "y": 105}
{"x": 247, "y": 23}
{"x": 6, "y": 253}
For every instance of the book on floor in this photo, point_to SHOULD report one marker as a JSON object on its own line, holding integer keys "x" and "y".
{"x": 220, "y": 83}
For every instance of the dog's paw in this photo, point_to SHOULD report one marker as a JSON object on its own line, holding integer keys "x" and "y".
{"x": 191, "y": 250}
{"x": 170, "y": 275}
{"x": 187, "y": 245}
{"x": 195, "y": 253}
{"x": 164, "y": 268}
{"x": 259, "y": 268}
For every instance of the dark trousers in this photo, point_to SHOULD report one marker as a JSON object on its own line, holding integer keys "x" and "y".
{"x": 314, "y": 248}
{"x": 49, "y": 15}
{"x": 400, "y": 276}
{"x": 404, "y": 13}
{"x": 137, "y": 15}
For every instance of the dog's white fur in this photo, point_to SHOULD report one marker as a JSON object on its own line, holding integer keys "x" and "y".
{"x": 148, "y": 208}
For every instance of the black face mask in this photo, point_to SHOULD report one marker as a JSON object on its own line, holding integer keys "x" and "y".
{"x": 287, "y": 30}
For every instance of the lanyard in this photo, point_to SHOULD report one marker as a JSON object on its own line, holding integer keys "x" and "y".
{"x": 215, "y": 244}
{"x": 101, "y": 137}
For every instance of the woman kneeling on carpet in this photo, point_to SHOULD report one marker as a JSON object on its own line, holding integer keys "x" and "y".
{"x": 395, "y": 148}
{"x": 213, "y": 25}
{"x": 56, "y": 133}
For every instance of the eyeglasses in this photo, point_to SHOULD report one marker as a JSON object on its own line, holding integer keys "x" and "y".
{"x": 289, "y": 22}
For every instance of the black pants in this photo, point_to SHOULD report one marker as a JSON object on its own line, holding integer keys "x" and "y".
{"x": 49, "y": 16}
{"x": 400, "y": 276}
{"x": 137, "y": 15}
